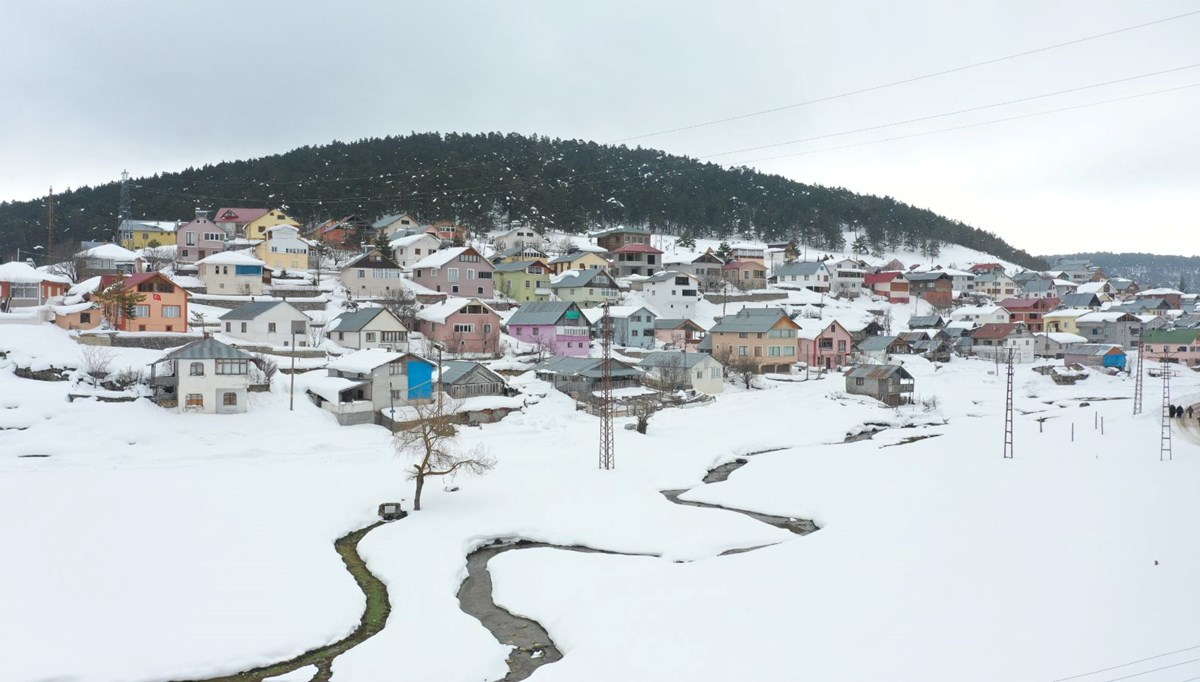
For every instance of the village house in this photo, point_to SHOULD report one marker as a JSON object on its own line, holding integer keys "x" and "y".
{"x": 523, "y": 281}
{"x": 1095, "y": 355}
{"x": 961, "y": 281}
{"x": 259, "y": 227}
{"x": 1087, "y": 301}
{"x": 1055, "y": 344}
{"x": 233, "y": 221}
{"x": 1173, "y": 297}
{"x": 519, "y": 253}
{"x": 880, "y": 349}
{"x": 995, "y": 342}
{"x": 24, "y": 286}
{"x": 409, "y": 250}
{"x": 1143, "y": 306}
{"x": 579, "y": 260}
{"x": 1123, "y": 288}
{"x": 163, "y": 306}
{"x": 826, "y": 346}
{"x": 892, "y": 286}
{"x": 138, "y": 234}
{"x": 672, "y": 294}
{"x": 930, "y": 322}
{"x": 980, "y": 314}
{"x": 582, "y": 377}
{"x": 363, "y": 383}
{"x": 461, "y": 325}
{"x": 1120, "y": 328}
{"x": 935, "y": 288}
{"x": 813, "y": 276}
{"x": 588, "y": 288}
{"x": 395, "y": 225}
{"x": 462, "y": 379}
{"x": 891, "y": 385}
{"x": 340, "y": 234}
{"x": 849, "y": 277}
{"x": 987, "y": 269}
{"x": 1047, "y": 288}
{"x": 617, "y": 237}
{"x": 679, "y": 334}
{"x": 368, "y": 327}
{"x": 1029, "y": 310}
{"x": 447, "y": 231}
{"x": 199, "y": 238}
{"x": 636, "y": 259}
{"x": 674, "y": 370}
{"x": 707, "y": 268}
{"x": 764, "y": 336}
{"x": 204, "y": 376}
{"x": 267, "y": 322}
{"x": 234, "y": 273}
{"x": 745, "y": 274}
{"x": 559, "y": 327}
{"x": 1063, "y": 320}
{"x": 995, "y": 285}
{"x": 1180, "y": 346}
{"x": 517, "y": 237}
{"x": 283, "y": 249}
{"x": 632, "y": 326}
{"x": 373, "y": 275}
{"x": 108, "y": 259}
{"x": 456, "y": 270}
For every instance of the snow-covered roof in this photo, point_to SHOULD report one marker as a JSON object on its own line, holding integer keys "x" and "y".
{"x": 1068, "y": 312}
{"x": 230, "y": 258}
{"x": 1160, "y": 291}
{"x": 87, "y": 286}
{"x": 1090, "y": 288}
{"x": 411, "y": 239}
{"x": 439, "y": 258}
{"x": 1062, "y": 337}
{"x": 440, "y": 312}
{"x": 113, "y": 252}
{"x": 364, "y": 361}
{"x": 24, "y": 273}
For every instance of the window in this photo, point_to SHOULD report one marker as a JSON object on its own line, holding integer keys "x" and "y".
{"x": 197, "y": 369}
{"x": 743, "y": 335}
{"x": 270, "y": 327}
{"x": 392, "y": 337}
{"x": 714, "y": 373}
{"x": 25, "y": 290}
{"x": 452, "y": 274}
{"x": 470, "y": 328}
{"x": 170, "y": 311}
{"x": 141, "y": 311}
{"x": 479, "y": 290}
{"x": 487, "y": 328}
{"x": 743, "y": 350}
{"x": 841, "y": 346}
{"x": 370, "y": 337}
{"x": 859, "y": 382}
{"x": 85, "y": 318}
{"x": 194, "y": 400}
{"x": 362, "y": 274}
{"x": 484, "y": 274}
{"x": 395, "y": 368}
{"x": 229, "y": 398}
{"x": 454, "y": 288}
{"x": 396, "y": 394}
{"x": 633, "y": 332}
{"x": 536, "y": 331}
{"x": 233, "y": 366}
{"x": 243, "y": 327}
{"x": 470, "y": 273}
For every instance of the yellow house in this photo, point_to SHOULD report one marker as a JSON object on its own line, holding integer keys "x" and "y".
{"x": 523, "y": 281}
{"x": 579, "y": 260}
{"x": 257, "y": 228}
{"x": 283, "y": 249}
{"x": 138, "y": 234}
{"x": 1063, "y": 320}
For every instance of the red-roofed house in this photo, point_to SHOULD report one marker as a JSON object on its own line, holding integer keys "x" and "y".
{"x": 235, "y": 220}
{"x": 987, "y": 269}
{"x": 891, "y": 285}
{"x": 22, "y": 285}
{"x": 994, "y": 340}
{"x": 447, "y": 231}
{"x": 1029, "y": 310}
{"x": 163, "y": 307}
{"x": 745, "y": 273}
{"x": 636, "y": 259}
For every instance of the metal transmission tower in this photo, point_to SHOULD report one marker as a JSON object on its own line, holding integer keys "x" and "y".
{"x": 50, "y": 221}
{"x": 125, "y": 208}
{"x": 1008, "y": 409}
{"x": 1138, "y": 389}
{"x": 607, "y": 459}
{"x": 1164, "y": 437}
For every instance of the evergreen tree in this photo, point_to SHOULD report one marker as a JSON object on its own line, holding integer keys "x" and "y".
{"x": 860, "y": 246}
{"x": 687, "y": 241}
{"x": 724, "y": 251}
{"x": 118, "y": 304}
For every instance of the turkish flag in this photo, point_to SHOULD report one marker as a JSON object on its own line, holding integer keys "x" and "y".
{"x": 157, "y": 297}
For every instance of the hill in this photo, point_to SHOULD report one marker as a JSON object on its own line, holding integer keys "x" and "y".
{"x": 1147, "y": 269}
{"x": 492, "y": 179}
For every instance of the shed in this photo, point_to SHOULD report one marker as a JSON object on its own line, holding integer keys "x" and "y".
{"x": 889, "y": 384}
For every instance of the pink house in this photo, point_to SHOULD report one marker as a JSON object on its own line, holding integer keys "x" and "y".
{"x": 459, "y": 270}
{"x": 1181, "y": 346}
{"x": 829, "y": 346}
{"x": 461, "y": 325}
{"x": 557, "y": 326}
{"x": 199, "y": 239}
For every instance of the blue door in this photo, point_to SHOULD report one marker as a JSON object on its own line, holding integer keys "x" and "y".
{"x": 1114, "y": 360}
{"x": 420, "y": 380}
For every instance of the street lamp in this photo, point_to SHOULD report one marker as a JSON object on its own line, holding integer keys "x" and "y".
{"x": 298, "y": 327}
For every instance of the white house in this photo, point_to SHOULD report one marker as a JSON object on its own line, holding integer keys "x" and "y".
{"x": 283, "y": 249}
{"x": 981, "y": 314}
{"x": 848, "y": 277}
{"x": 672, "y": 294}
{"x": 813, "y": 276}
{"x": 368, "y": 328}
{"x": 408, "y": 251}
{"x": 235, "y": 273}
{"x": 372, "y": 275}
{"x": 205, "y": 376}
{"x": 675, "y": 369}
{"x": 267, "y": 322}
{"x": 516, "y": 237}
{"x": 395, "y": 224}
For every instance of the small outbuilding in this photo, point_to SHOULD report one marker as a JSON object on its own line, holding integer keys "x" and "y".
{"x": 1095, "y": 355}
{"x": 889, "y": 384}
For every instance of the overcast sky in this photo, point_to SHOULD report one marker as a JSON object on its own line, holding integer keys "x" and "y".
{"x": 89, "y": 88}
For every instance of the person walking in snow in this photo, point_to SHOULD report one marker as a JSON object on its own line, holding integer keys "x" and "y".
{"x": 1189, "y": 411}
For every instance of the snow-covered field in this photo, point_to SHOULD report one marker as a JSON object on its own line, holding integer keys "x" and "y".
{"x": 145, "y": 545}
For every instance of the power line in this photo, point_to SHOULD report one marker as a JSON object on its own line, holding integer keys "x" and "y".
{"x": 905, "y": 81}
{"x": 1126, "y": 665}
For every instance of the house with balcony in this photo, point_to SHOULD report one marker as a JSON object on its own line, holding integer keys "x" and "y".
{"x": 995, "y": 341}
{"x": 519, "y": 236}
{"x": 618, "y": 237}
{"x": 579, "y": 260}
{"x": 204, "y": 376}
{"x": 461, "y": 325}
{"x": 1063, "y": 320}
{"x": 679, "y": 334}
{"x": 745, "y": 274}
{"x": 1180, "y": 346}
{"x": 368, "y": 327}
{"x": 825, "y": 346}
{"x": 199, "y": 238}
{"x": 765, "y": 336}
{"x": 557, "y": 326}
{"x": 806, "y": 275}
{"x": 523, "y": 281}
{"x": 361, "y": 384}
{"x": 935, "y": 288}
{"x": 672, "y": 294}
{"x": 233, "y": 273}
{"x": 995, "y": 285}
{"x": 373, "y": 275}
{"x": 1031, "y": 311}
{"x": 674, "y": 370}
{"x": 259, "y": 227}
{"x": 458, "y": 270}
{"x": 632, "y": 326}
{"x": 395, "y": 225}
{"x": 267, "y": 322}
{"x": 986, "y": 269}
{"x": 283, "y": 249}
{"x": 848, "y": 277}
{"x": 519, "y": 253}
{"x": 163, "y": 306}
{"x": 891, "y": 385}
{"x": 707, "y": 267}
{"x": 588, "y": 288}
{"x": 636, "y": 259}
{"x": 408, "y": 250}
{"x": 448, "y": 231}
{"x": 1111, "y": 327}
{"x": 233, "y": 221}
{"x": 24, "y": 286}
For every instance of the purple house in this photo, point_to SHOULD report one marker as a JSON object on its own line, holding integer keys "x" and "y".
{"x": 199, "y": 239}
{"x": 557, "y": 326}
{"x": 460, "y": 270}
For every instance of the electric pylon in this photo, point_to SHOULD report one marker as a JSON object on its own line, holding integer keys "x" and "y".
{"x": 1164, "y": 437}
{"x": 607, "y": 458}
{"x": 1138, "y": 389}
{"x": 1008, "y": 409}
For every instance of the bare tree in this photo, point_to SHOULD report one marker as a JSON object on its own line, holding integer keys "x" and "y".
{"x": 96, "y": 361}
{"x": 643, "y": 409}
{"x": 744, "y": 368}
{"x": 160, "y": 257}
{"x": 263, "y": 369}
{"x": 563, "y": 245}
{"x": 673, "y": 374}
{"x": 544, "y": 347}
{"x": 431, "y": 444}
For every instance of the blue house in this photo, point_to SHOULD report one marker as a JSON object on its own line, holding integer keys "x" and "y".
{"x": 633, "y": 326}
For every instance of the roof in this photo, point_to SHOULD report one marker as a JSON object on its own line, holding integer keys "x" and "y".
{"x": 622, "y": 230}
{"x": 1080, "y": 300}
{"x": 1160, "y": 291}
{"x": 673, "y": 358}
{"x": 517, "y": 266}
{"x": 1067, "y": 313}
{"x": 1174, "y": 336}
{"x": 439, "y": 258}
{"x": 1012, "y": 304}
{"x": 876, "y": 277}
{"x": 139, "y": 277}
{"x": 148, "y": 225}
{"x": 572, "y": 256}
{"x": 541, "y": 312}
{"x": 1105, "y": 316}
{"x": 800, "y": 268}
{"x": 994, "y": 330}
{"x": 389, "y": 219}
{"x": 517, "y": 250}
{"x": 667, "y": 275}
{"x": 411, "y": 239}
{"x": 927, "y": 276}
{"x": 877, "y": 343}
{"x": 440, "y": 312}
{"x": 240, "y": 215}
{"x": 207, "y": 348}
{"x": 354, "y": 320}
{"x": 877, "y": 372}
{"x": 752, "y": 320}
{"x": 453, "y": 370}
{"x": 250, "y": 311}
{"x": 675, "y": 323}
{"x": 382, "y": 261}
{"x": 585, "y": 367}
{"x": 113, "y": 252}
{"x": 24, "y": 273}
{"x": 986, "y": 266}
{"x": 637, "y": 248}
{"x": 364, "y": 361}
{"x": 230, "y": 258}
{"x": 925, "y": 321}
{"x": 1062, "y": 337}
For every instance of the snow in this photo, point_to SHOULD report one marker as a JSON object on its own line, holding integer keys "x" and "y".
{"x": 364, "y": 361}
{"x": 230, "y": 258}
{"x": 328, "y": 387}
{"x": 24, "y": 273}
{"x": 113, "y": 252}
{"x": 156, "y": 545}
{"x": 1062, "y": 337}
{"x": 439, "y": 312}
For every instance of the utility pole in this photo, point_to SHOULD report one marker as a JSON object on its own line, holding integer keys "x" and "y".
{"x": 1164, "y": 437}
{"x": 124, "y": 208}
{"x": 1138, "y": 390}
{"x": 298, "y": 326}
{"x": 50, "y": 221}
{"x": 607, "y": 458}
{"x": 1008, "y": 410}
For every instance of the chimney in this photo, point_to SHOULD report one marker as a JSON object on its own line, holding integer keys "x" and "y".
{"x": 201, "y": 214}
